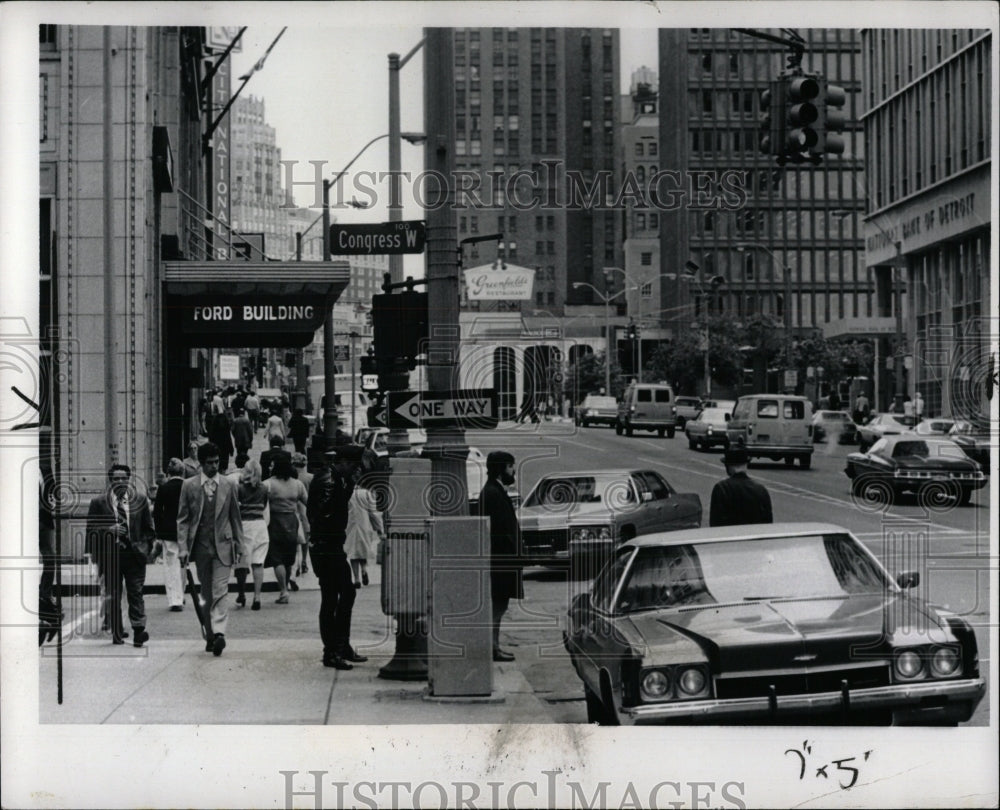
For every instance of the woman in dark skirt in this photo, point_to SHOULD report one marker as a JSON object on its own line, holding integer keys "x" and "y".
{"x": 287, "y": 500}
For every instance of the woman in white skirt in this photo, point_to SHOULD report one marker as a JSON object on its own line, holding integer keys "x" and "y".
{"x": 253, "y": 500}
{"x": 364, "y": 530}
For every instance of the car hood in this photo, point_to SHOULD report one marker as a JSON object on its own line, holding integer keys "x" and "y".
{"x": 775, "y": 634}
{"x": 555, "y": 517}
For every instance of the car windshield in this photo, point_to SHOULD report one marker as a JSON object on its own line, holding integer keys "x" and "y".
{"x": 713, "y": 415}
{"x": 833, "y": 416}
{"x": 569, "y": 489}
{"x": 600, "y": 402}
{"x": 811, "y": 566}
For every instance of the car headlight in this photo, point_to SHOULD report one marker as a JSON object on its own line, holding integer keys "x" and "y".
{"x": 588, "y": 534}
{"x": 692, "y": 681}
{"x": 944, "y": 662}
{"x": 909, "y": 665}
{"x": 655, "y": 684}
{"x": 710, "y": 431}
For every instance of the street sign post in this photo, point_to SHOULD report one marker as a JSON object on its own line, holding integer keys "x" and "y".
{"x": 473, "y": 410}
{"x": 378, "y": 239}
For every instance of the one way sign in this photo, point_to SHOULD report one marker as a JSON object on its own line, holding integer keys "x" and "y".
{"x": 474, "y": 410}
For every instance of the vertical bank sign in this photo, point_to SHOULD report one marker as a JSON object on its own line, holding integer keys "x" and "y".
{"x": 219, "y": 193}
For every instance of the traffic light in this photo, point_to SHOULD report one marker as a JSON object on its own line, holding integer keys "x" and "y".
{"x": 399, "y": 324}
{"x": 632, "y": 331}
{"x": 772, "y": 121}
{"x": 832, "y": 119}
{"x": 802, "y": 113}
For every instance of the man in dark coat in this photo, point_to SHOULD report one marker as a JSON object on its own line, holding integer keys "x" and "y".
{"x": 739, "y": 499}
{"x": 329, "y": 493}
{"x": 119, "y": 537}
{"x": 242, "y": 436}
{"x": 220, "y": 436}
{"x": 270, "y": 456}
{"x": 298, "y": 429}
{"x": 505, "y": 576}
{"x": 168, "y": 498}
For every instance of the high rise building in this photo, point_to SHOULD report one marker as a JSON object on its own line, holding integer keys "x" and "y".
{"x": 539, "y": 100}
{"x": 257, "y": 194}
{"x": 737, "y": 213}
{"x": 927, "y": 96}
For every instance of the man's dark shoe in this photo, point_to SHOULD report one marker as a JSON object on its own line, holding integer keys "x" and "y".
{"x": 352, "y": 656}
{"x": 209, "y": 640}
{"x": 176, "y": 608}
{"x": 241, "y": 600}
{"x": 502, "y": 655}
{"x": 218, "y": 645}
{"x": 117, "y": 640}
{"x": 293, "y": 585}
{"x": 141, "y": 637}
{"x": 336, "y": 662}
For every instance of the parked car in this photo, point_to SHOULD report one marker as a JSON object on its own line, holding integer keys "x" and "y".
{"x": 708, "y": 430}
{"x": 779, "y": 623}
{"x": 774, "y": 426}
{"x": 934, "y": 468}
{"x": 974, "y": 442}
{"x": 647, "y": 406}
{"x": 597, "y": 410}
{"x": 725, "y": 404}
{"x": 838, "y": 425}
{"x": 687, "y": 408}
{"x": 588, "y": 513}
{"x": 882, "y": 424}
{"x": 938, "y": 426}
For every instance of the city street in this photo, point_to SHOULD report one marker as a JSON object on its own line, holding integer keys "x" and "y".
{"x": 949, "y": 549}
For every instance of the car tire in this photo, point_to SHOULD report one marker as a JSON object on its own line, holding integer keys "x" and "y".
{"x": 681, "y": 421}
{"x": 965, "y": 498}
{"x": 692, "y": 444}
{"x": 670, "y": 432}
{"x": 660, "y": 432}
{"x": 595, "y": 709}
{"x": 789, "y": 461}
{"x": 805, "y": 462}
{"x": 628, "y": 430}
{"x": 618, "y": 428}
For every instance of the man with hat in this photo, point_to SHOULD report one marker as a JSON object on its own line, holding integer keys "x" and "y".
{"x": 739, "y": 499}
{"x": 329, "y": 494}
{"x": 505, "y": 577}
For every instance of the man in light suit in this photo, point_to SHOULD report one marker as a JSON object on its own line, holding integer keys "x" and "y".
{"x": 119, "y": 538}
{"x": 210, "y": 534}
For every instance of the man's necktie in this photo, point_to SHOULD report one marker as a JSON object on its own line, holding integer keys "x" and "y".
{"x": 209, "y": 487}
{"x": 122, "y": 521}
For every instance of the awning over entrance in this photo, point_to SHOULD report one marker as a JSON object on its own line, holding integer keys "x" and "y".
{"x": 278, "y": 304}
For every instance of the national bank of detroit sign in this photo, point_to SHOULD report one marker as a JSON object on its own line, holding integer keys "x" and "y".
{"x": 489, "y": 283}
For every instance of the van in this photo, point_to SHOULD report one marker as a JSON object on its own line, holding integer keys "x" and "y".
{"x": 774, "y": 426}
{"x": 647, "y": 406}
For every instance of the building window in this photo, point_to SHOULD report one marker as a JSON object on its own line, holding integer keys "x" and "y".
{"x": 646, "y": 259}
{"x": 706, "y": 61}
{"x": 654, "y": 222}
{"x": 638, "y": 149}
{"x": 748, "y": 268}
{"x": 709, "y": 221}
{"x": 706, "y": 101}
{"x": 640, "y": 222}
{"x": 734, "y": 63}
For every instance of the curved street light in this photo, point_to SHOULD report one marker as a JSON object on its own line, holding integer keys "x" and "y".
{"x": 639, "y": 314}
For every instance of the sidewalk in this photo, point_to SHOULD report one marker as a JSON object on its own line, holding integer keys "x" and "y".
{"x": 270, "y": 673}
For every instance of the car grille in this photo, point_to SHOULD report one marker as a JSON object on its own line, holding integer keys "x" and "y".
{"x": 552, "y": 540}
{"x": 801, "y": 683}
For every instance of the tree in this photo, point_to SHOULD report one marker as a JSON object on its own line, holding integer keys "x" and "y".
{"x": 586, "y": 376}
{"x": 682, "y": 361}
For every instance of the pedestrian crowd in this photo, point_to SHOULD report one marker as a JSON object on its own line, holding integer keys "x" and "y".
{"x": 267, "y": 513}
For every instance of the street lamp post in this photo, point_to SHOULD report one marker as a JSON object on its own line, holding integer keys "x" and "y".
{"x": 787, "y": 309}
{"x": 607, "y": 329}
{"x": 330, "y": 421}
{"x": 693, "y": 271}
{"x": 638, "y": 287}
{"x": 395, "y": 159}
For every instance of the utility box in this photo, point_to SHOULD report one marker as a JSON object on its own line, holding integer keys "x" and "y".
{"x": 460, "y": 636}
{"x": 405, "y": 565}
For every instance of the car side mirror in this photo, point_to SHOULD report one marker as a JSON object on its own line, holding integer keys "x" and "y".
{"x": 908, "y": 579}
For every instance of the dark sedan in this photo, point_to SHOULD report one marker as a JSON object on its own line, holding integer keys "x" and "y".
{"x": 597, "y": 410}
{"x": 975, "y": 442}
{"x": 574, "y": 516}
{"x": 785, "y": 623}
{"x": 835, "y": 425}
{"x": 935, "y": 469}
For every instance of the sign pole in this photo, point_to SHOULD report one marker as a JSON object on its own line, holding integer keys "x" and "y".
{"x": 329, "y": 361}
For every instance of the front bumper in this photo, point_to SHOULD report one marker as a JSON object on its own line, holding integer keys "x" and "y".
{"x": 711, "y": 439}
{"x": 954, "y": 700}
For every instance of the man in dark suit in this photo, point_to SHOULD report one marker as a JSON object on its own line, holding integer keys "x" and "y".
{"x": 505, "y": 576}
{"x": 119, "y": 538}
{"x": 268, "y": 457}
{"x": 210, "y": 533}
{"x": 739, "y": 499}
{"x": 242, "y": 436}
{"x": 329, "y": 494}
{"x": 168, "y": 497}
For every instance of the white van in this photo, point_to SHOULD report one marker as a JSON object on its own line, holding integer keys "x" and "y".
{"x": 774, "y": 426}
{"x": 647, "y": 406}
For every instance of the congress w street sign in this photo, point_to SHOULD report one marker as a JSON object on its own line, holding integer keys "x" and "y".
{"x": 472, "y": 410}
{"x": 378, "y": 239}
